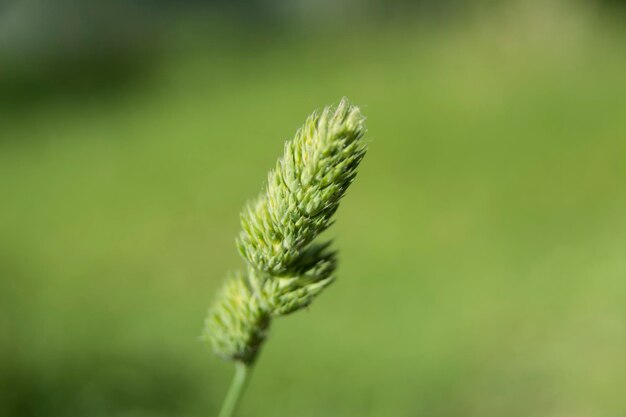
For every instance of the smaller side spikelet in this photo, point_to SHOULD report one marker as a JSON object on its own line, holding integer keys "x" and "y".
{"x": 312, "y": 272}
{"x": 237, "y": 325}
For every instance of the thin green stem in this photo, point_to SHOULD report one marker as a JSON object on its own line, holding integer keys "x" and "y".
{"x": 237, "y": 387}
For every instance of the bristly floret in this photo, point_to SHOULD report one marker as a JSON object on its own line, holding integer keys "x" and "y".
{"x": 304, "y": 190}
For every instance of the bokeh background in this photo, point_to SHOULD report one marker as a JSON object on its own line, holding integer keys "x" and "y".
{"x": 483, "y": 245}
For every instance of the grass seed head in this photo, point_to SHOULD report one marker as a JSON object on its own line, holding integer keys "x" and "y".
{"x": 286, "y": 270}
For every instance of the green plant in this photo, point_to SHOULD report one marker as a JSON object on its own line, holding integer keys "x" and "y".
{"x": 286, "y": 269}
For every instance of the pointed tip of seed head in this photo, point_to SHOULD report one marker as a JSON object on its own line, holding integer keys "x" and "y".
{"x": 349, "y": 115}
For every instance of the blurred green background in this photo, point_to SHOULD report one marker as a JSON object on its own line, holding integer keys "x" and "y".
{"x": 482, "y": 246}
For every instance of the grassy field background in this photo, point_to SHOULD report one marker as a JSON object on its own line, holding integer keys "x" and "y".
{"x": 482, "y": 246}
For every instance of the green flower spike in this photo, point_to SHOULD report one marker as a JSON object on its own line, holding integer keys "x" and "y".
{"x": 286, "y": 269}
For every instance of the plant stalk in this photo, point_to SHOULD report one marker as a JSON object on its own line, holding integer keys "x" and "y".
{"x": 237, "y": 387}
